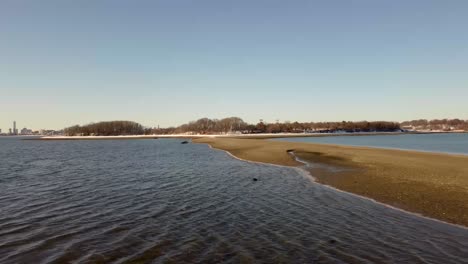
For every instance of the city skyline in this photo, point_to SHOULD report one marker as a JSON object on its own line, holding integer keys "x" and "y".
{"x": 14, "y": 130}
{"x": 167, "y": 63}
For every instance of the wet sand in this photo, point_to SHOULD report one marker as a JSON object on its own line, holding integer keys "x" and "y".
{"x": 431, "y": 184}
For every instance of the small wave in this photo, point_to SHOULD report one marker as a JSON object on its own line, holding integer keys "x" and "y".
{"x": 202, "y": 206}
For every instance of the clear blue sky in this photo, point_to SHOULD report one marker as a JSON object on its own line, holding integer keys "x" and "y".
{"x": 169, "y": 62}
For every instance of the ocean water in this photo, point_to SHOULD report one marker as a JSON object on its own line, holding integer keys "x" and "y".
{"x": 158, "y": 201}
{"x": 456, "y": 143}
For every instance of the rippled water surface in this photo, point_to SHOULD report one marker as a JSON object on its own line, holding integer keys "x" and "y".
{"x": 447, "y": 142}
{"x": 144, "y": 201}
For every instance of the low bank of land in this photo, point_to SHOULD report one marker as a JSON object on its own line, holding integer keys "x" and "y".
{"x": 432, "y": 184}
{"x": 96, "y": 137}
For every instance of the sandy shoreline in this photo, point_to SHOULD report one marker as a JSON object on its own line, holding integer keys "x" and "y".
{"x": 431, "y": 184}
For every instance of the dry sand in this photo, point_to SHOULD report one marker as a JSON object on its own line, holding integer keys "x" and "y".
{"x": 432, "y": 184}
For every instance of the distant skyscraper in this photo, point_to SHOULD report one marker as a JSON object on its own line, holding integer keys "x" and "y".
{"x": 14, "y": 128}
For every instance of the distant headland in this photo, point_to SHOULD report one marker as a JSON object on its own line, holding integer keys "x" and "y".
{"x": 235, "y": 125}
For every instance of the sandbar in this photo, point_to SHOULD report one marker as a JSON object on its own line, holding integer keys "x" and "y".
{"x": 431, "y": 184}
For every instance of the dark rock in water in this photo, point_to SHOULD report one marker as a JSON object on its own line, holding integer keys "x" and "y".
{"x": 332, "y": 241}
{"x": 254, "y": 179}
{"x": 184, "y": 142}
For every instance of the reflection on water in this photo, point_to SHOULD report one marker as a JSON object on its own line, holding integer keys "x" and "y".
{"x": 157, "y": 200}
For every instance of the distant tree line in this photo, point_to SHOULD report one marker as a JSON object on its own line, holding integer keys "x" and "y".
{"x": 437, "y": 124}
{"x": 237, "y": 125}
{"x": 108, "y": 128}
{"x": 206, "y": 126}
{"x": 325, "y": 127}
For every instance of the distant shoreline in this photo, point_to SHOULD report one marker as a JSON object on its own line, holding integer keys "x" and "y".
{"x": 249, "y": 136}
{"x": 95, "y": 137}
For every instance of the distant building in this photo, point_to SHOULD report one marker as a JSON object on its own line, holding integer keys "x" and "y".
{"x": 15, "y": 131}
{"x": 9, "y": 131}
{"x": 26, "y": 131}
{"x": 44, "y": 132}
